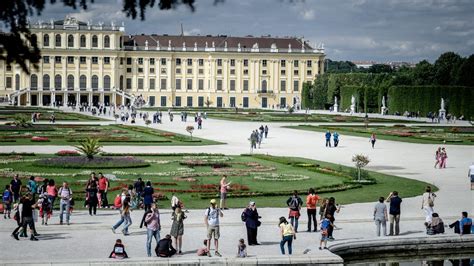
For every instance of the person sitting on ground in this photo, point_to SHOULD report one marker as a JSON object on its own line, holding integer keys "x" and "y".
{"x": 241, "y": 249}
{"x": 118, "y": 252}
{"x": 436, "y": 226}
{"x": 462, "y": 226}
{"x": 165, "y": 247}
{"x": 203, "y": 251}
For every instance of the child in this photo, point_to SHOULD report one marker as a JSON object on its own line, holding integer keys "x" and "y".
{"x": 7, "y": 201}
{"x": 241, "y": 249}
{"x": 118, "y": 252}
{"x": 203, "y": 251}
{"x": 46, "y": 208}
{"x": 324, "y": 231}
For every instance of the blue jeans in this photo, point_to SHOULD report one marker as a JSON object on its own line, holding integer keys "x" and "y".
{"x": 120, "y": 222}
{"x": 64, "y": 207}
{"x": 294, "y": 223}
{"x": 149, "y": 237}
{"x": 128, "y": 221}
{"x": 286, "y": 239}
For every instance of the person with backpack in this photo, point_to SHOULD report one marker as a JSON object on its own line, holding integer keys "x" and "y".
{"x": 287, "y": 234}
{"x": 46, "y": 208}
{"x": 250, "y": 217}
{"x": 32, "y": 186}
{"x": 294, "y": 204}
{"x": 65, "y": 195}
{"x": 311, "y": 202}
{"x": 211, "y": 220}
{"x": 427, "y": 204}
{"x": 7, "y": 199}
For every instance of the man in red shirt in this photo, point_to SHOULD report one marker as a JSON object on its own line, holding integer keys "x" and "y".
{"x": 311, "y": 202}
{"x": 103, "y": 187}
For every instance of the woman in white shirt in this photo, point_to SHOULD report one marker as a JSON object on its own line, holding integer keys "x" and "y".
{"x": 427, "y": 204}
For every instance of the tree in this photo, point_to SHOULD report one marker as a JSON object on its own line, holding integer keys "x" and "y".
{"x": 147, "y": 122}
{"x": 21, "y": 121}
{"x": 446, "y": 68}
{"x": 89, "y": 147}
{"x": 466, "y": 72}
{"x": 208, "y": 102}
{"x": 380, "y": 68}
{"x": 360, "y": 161}
{"x": 190, "y": 130}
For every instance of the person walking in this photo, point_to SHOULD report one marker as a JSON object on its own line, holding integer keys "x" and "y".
{"x": 437, "y": 157}
{"x": 15, "y": 187}
{"x": 26, "y": 217}
{"x": 52, "y": 191}
{"x": 177, "y": 228}
{"x": 372, "y": 140}
{"x": 331, "y": 208}
{"x": 380, "y": 216}
{"x": 287, "y": 234}
{"x": 328, "y": 138}
{"x": 139, "y": 187}
{"x": 311, "y": 202}
{"x": 7, "y": 199}
{"x": 148, "y": 192}
{"x": 92, "y": 199}
{"x": 266, "y": 131}
{"x": 211, "y": 220}
{"x": 470, "y": 175}
{"x": 443, "y": 158}
{"x": 250, "y": 216}
{"x": 65, "y": 195}
{"x": 294, "y": 204}
{"x": 103, "y": 188}
{"x": 394, "y": 212}
{"x": 224, "y": 187}
{"x": 125, "y": 204}
{"x": 32, "y": 186}
{"x": 335, "y": 137}
{"x": 427, "y": 204}
{"x": 153, "y": 227}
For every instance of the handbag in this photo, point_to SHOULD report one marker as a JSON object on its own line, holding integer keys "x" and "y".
{"x": 430, "y": 201}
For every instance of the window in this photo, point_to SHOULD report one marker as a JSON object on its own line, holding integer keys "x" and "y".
{"x": 309, "y": 63}
{"x": 232, "y": 71}
{"x": 200, "y": 84}
{"x": 151, "y": 101}
{"x": 264, "y": 72}
{"x": 58, "y": 40}
{"x": 246, "y": 62}
{"x": 246, "y": 71}
{"x": 178, "y": 84}
{"x": 70, "y": 60}
{"x": 232, "y": 84}
{"x": 8, "y": 83}
{"x": 201, "y": 62}
{"x": 46, "y": 59}
{"x": 163, "y": 71}
{"x": 152, "y": 61}
{"x": 163, "y": 84}
{"x": 219, "y": 101}
{"x": 57, "y": 82}
{"x": 189, "y": 84}
{"x": 34, "y": 81}
{"x": 232, "y": 102}
{"x": 121, "y": 82}
{"x": 296, "y": 72}
{"x": 163, "y": 61}
{"x": 82, "y": 82}
{"x": 121, "y": 60}
{"x": 283, "y": 72}
{"x": 106, "y": 60}
{"x": 95, "y": 41}
{"x": 264, "y": 102}
{"x": 295, "y": 63}
{"x": 264, "y": 86}
{"x": 246, "y": 85}
{"x": 177, "y": 101}
{"x": 152, "y": 70}
{"x": 152, "y": 84}
{"x": 189, "y": 71}
{"x": 82, "y": 41}
{"x": 190, "y": 62}
{"x": 129, "y": 70}
{"x": 219, "y": 71}
{"x": 232, "y": 62}
{"x": 163, "y": 101}
{"x": 107, "y": 41}
{"x": 140, "y": 61}
{"x": 129, "y": 83}
{"x": 200, "y": 101}
{"x": 178, "y": 61}
{"x": 296, "y": 85}
{"x": 282, "y": 102}
{"x": 140, "y": 70}
{"x": 189, "y": 101}
{"x": 201, "y": 71}
{"x": 178, "y": 71}
{"x": 219, "y": 85}
{"x": 283, "y": 63}
{"x": 309, "y": 72}
{"x": 82, "y": 59}
{"x": 245, "y": 102}
{"x": 95, "y": 60}
{"x": 17, "y": 82}
{"x": 264, "y": 63}
{"x": 129, "y": 61}
{"x": 282, "y": 85}
{"x": 46, "y": 40}
{"x": 46, "y": 82}
{"x": 57, "y": 59}
{"x": 9, "y": 68}
{"x": 70, "y": 40}
{"x": 106, "y": 82}
{"x": 70, "y": 81}
{"x": 95, "y": 82}
{"x": 140, "y": 84}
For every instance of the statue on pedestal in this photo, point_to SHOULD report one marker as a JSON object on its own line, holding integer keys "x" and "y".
{"x": 353, "y": 104}
{"x": 383, "y": 109}
{"x": 442, "y": 111}
{"x": 336, "y": 106}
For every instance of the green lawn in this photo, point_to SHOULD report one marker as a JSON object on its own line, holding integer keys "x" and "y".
{"x": 8, "y": 113}
{"x": 413, "y": 134}
{"x": 108, "y": 135}
{"x": 195, "y": 178}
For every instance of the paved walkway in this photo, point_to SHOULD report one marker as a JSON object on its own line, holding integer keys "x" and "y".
{"x": 93, "y": 236}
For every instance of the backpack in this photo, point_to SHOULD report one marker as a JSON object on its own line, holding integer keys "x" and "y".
{"x": 430, "y": 201}
{"x": 243, "y": 216}
{"x": 118, "y": 201}
{"x": 294, "y": 203}
{"x": 7, "y": 196}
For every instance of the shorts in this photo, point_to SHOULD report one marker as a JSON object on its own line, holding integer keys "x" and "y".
{"x": 223, "y": 195}
{"x": 28, "y": 221}
{"x": 213, "y": 231}
{"x": 294, "y": 213}
{"x": 324, "y": 234}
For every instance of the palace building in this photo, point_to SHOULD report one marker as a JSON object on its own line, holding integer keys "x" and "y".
{"x": 100, "y": 64}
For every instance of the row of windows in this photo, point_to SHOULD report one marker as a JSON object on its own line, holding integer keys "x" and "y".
{"x": 70, "y": 41}
{"x": 219, "y": 101}
{"x": 58, "y": 82}
{"x": 70, "y": 60}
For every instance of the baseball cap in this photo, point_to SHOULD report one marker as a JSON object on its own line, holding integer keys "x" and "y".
{"x": 213, "y": 201}
{"x": 252, "y": 203}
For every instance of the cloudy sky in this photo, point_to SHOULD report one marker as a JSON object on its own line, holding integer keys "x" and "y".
{"x": 380, "y": 30}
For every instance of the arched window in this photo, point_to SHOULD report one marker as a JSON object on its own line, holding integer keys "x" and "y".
{"x": 107, "y": 41}
{"x": 70, "y": 41}
{"x": 83, "y": 41}
{"x": 70, "y": 81}
{"x": 95, "y": 82}
{"x": 58, "y": 40}
{"x": 95, "y": 41}
{"x": 121, "y": 41}
{"x": 264, "y": 86}
{"x": 57, "y": 82}
{"x": 34, "y": 38}
{"x": 46, "y": 40}
{"x": 106, "y": 82}
{"x": 121, "y": 83}
{"x": 46, "y": 82}
{"x": 82, "y": 82}
{"x": 33, "y": 81}
{"x": 17, "y": 81}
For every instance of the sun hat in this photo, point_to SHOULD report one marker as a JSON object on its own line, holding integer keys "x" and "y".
{"x": 213, "y": 201}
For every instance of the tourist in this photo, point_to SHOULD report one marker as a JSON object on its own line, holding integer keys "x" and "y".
{"x": 118, "y": 251}
{"x": 241, "y": 249}
{"x": 262, "y": 131}
{"x": 165, "y": 248}
{"x": 224, "y": 187}
{"x": 335, "y": 137}
{"x": 153, "y": 227}
{"x": 32, "y": 186}
{"x": 438, "y": 157}
{"x": 328, "y": 138}
{"x": 103, "y": 188}
{"x": 46, "y": 208}
{"x": 211, "y": 220}
{"x": 92, "y": 199}
{"x": 26, "y": 217}
{"x": 65, "y": 194}
{"x": 470, "y": 175}
{"x": 435, "y": 226}
{"x": 203, "y": 251}
{"x": 250, "y": 216}
{"x": 175, "y": 203}
{"x": 177, "y": 228}
{"x": 266, "y": 131}
{"x": 124, "y": 216}
{"x": 372, "y": 140}
{"x": 52, "y": 191}
{"x": 331, "y": 208}
{"x": 148, "y": 192}
{"x": 42, "y": 188}
{"x": 199, "y": 122}
{"x": 322, "y": 208}
{"x": 462, "y": 226}
{"x": 287, "y": 234}
{"x": 7, "y": 199}
{"x": 427, "y": 203}
{"x": 311, "y": 202}
{"x": 394, "y": 212}
{"x": 380, "y": 216}
{"x": 325, "y": 224}
{"x": 15, "y": 187}
{"x": 443, "y": 158}
{"x": 139, "y": 186}
{"x": 294, "y": 204}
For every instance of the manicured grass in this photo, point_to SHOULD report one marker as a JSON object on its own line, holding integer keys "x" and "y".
{"x": 108, "y": 135}
{"x": 207, "y": 109}
{"x": 8, "y": 113}
{"x": 195, "y": 185}
{"x": 412, "y": 134}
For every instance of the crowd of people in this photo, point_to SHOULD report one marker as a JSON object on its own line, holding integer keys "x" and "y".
{"x": 257, "y": 136}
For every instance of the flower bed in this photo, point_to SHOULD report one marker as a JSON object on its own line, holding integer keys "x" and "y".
{"x": 96, "y": 163}
{"x": 280, "y": 177}
{"x": 67, "y": 153}
{"x": 39, "y": 139}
